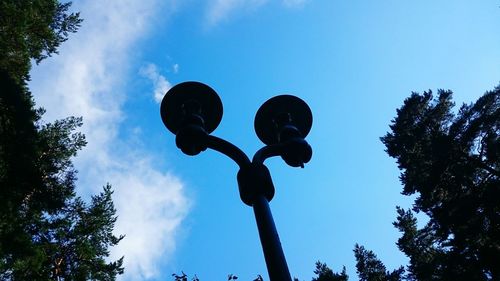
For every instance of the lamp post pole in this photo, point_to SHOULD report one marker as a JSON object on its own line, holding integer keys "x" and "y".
{"x": 273, "y": 253}
{"x": 192, "y": 110}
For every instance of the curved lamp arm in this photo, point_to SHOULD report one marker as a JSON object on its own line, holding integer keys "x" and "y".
{"x": 228, "y": 149}
{"x": 267, "y": 151}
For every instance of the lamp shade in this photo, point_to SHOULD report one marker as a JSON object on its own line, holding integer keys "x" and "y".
{"x": 191, "y": 98}
{"x": 279, "y": 111}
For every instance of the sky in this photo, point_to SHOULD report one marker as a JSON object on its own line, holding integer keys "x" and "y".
{"x": 353, "y": 62}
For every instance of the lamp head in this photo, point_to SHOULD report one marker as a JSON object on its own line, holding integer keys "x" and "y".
{"x": 191, "y": 102}
{"x": 191, "y": 110}
{"x": 282, "y": 117}
{"x": 286, "y": 120}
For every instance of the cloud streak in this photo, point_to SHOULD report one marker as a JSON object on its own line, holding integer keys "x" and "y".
{"x": 87, "y": 79}
{"x": 160, "y": 84}
{"x": 219, "y": 10}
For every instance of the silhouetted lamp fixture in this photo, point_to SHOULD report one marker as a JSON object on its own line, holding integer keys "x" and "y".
{"x": 193, "y": 110}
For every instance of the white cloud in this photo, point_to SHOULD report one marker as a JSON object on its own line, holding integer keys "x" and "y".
{"x": 219, "y": 10}
{"x": 88, "y": 79}
{"x": 175, "y": 68}
{"x": 153, "y": 210}
{"x": 160, "y": 83}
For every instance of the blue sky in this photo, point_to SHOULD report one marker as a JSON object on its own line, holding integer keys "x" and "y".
{"x": 353, "y": 62}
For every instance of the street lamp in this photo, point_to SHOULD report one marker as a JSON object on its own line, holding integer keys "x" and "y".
{"x": 192, "y": 110}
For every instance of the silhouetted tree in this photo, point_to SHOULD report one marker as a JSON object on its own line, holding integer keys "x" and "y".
{"x": 369, "y": 268}
{"x": 46, "y": 232}
{"x": 324, "y": 273}
{"x": 259, "y": 278}
{"x": 32, "y": 30}
{"x": 451, "y": 162}
{"x": 182, "y": 277}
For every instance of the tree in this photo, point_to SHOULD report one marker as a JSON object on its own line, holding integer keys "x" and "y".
{"x": 451, "y": 162}
{"x": 369, "y": 268}
{"x": 32, "y": 30}
{"x": 324, "y": 273}
{"x": 46, "y": 232}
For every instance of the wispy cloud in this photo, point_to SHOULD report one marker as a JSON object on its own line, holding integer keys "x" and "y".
{"x": 88, "y": 79}
{"x": 154, "y": 207}
{"x": 219, "y": 10}
{"x": 160, "y": 84}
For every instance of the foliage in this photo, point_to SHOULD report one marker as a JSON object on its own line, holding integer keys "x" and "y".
{"x": 451, "y": 162}
{"x": 46, "y": 232}
{"x": 32, "y": 30}
{"x": 324, "y": 273}
{"x": 369, "y": 268}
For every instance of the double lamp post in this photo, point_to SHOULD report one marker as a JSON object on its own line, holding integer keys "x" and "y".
{"x": 192, "y": 110}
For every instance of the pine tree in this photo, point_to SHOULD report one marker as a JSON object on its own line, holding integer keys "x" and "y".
{"x": 370, "y": 268}
{"x": 324, "y": 273}
{"x": 32, "y": 30}
{"x": 46, "y": 231}
{"x": 451, "y": 162}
